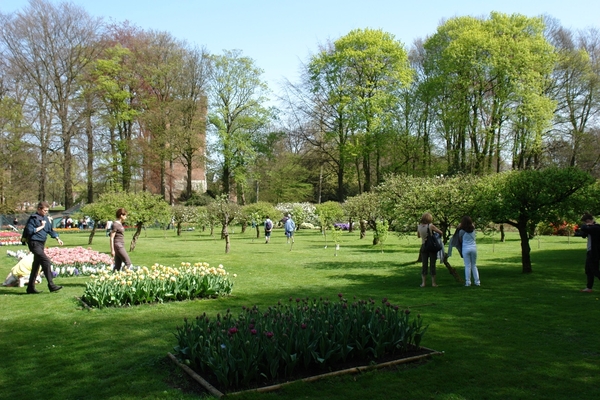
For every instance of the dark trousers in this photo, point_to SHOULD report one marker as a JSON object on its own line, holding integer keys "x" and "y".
{"x": 40, "y": 259}
{"x": 428, "y": 260}
{"x": 592, "y": 270}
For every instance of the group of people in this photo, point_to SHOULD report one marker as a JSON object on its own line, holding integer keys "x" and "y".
{"x": 288, "y": 224}
{"x": 464, "y": 241}
{"x": 39, "y": 227}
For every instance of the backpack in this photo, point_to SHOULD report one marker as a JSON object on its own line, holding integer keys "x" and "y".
{"x": 269, "y": 226}
{"x": 24, "y": 236}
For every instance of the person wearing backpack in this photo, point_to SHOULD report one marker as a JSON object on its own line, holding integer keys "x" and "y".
{"x": 268, "y": 229}
{"x": 428, "y": 258}
{"x": 36, "y": 230}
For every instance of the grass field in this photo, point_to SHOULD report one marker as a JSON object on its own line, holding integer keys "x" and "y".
{"x": 516, "y": 337}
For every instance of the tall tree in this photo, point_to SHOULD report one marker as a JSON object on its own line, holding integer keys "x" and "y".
{"x": 357, "y": 81}
{"x": 52, "y": 44}
{"x": 576, "y": 88}
{"x": 237, "y": 113}
{"x": 489, "y": 76}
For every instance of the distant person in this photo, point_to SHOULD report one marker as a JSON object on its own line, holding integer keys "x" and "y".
{"x": 268, "y": 229}
{"x": 108, "y": 227}
{"x": 15, "y": 222}
{"x": 117, "y": 241}
{"x": 424, "y": 229}
{"x": 591, "y": 230}
{"x": 466, "y": 236}
{"x": 37, "y": 229}
{"x": 290, "y": 227}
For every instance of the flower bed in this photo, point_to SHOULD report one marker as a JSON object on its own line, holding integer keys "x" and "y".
{"x": 156, "y": 284}
{"x": 10, "y": 238}
{"x": 303, "y": 335}
{"x": 73, "y": 261}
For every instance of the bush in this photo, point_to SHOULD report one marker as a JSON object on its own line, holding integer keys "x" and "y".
{"x": 302, "y": 335}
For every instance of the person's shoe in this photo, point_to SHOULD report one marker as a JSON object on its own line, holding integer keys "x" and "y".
{"x": 587, "y": 290}
{"x": 55, "y": 288}
{"x": 33, "y": 291}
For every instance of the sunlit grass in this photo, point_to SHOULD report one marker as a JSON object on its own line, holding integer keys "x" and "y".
{"x": 516, "y": 337}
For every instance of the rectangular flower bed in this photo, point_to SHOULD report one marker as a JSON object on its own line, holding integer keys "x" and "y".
{"x": 303, "y": 335}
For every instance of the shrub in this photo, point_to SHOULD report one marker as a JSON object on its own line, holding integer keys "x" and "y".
{"x": 156, "y": 284}
{"x": 303, "y": 334}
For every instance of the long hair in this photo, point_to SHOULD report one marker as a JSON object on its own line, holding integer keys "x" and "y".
{"x": 466, "y": 224}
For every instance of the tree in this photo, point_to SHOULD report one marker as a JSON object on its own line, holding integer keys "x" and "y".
{"x": 525, "y": 198}
{"x": 52, "y": 45}
{"x": 487, "y": 79}
{"x": 237, "y": 115}
{"x": 226, "y": 212}
{"x": 576, "y": 88}
{"x": 354, "y": 84}
{"x": 184, "y": 214}
{"x": 143, "y": 208}
{"x": 256, "y": 213}
{"x": 329, "y": 213}
{"x": 366, "y": 209}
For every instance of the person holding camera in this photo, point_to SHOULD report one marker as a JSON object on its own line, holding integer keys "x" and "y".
{"x": 591, "y": 230}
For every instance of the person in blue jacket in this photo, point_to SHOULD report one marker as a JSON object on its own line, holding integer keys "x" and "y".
{"x": 37, "y": 229}
{"x": 290, "y": 227}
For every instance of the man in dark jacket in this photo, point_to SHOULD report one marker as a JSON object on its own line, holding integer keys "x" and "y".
{"x": 591, "y": 230}
{"x": 37, "y": 229}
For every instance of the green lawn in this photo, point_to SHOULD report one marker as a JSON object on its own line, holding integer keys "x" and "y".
{"x": 515, "y": 337}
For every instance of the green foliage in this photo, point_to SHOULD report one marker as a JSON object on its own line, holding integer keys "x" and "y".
{"x": 301, "y": 335}
{"x": 380, "y": 234}
{"x": 196, "y": 199}
{"x": 523, "y": 199}
{"x": 184, "y": 214}
{"x": 405, "y": 198}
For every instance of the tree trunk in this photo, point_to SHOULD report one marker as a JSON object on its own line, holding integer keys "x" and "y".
{"x": 502, "y": 234}
{"x": 179, "y": 229}
{"x": 92, "y": 233}
{"x": 525, "y": 249}
{"x": 136, "y": 235}
{"x": 258, "y": 231}
{"x": 225, "y": 235}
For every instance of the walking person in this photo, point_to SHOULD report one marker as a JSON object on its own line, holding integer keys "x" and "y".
{"x": 290, "y": 227}
{"x": 117, "y": 241}
{"x": 424, "y": 229}
{"x": 591, "y": 230}
{"x": 466, "y": 236}
{"x": 37, "y": 229}
{"x": 268, "y": 229}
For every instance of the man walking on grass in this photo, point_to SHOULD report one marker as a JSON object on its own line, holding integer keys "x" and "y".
{"x": 591, "y": 230}
{"x": 37, "y": 230}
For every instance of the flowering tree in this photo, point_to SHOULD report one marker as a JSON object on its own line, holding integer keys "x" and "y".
{"x": 184, "y": 214}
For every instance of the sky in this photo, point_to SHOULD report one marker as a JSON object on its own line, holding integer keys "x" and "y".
{"x": 281, "y": 35}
